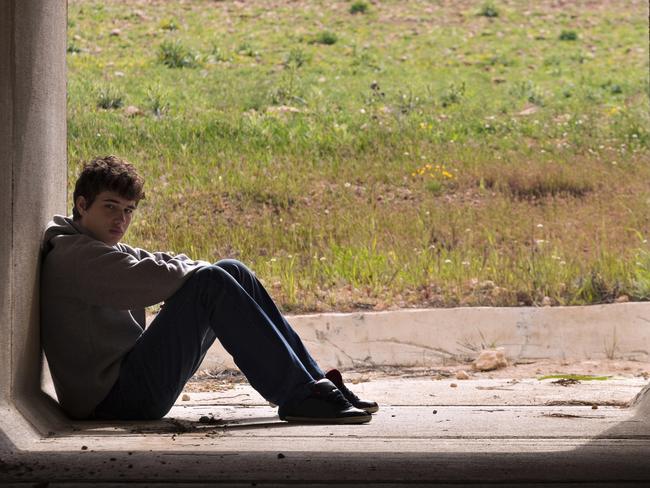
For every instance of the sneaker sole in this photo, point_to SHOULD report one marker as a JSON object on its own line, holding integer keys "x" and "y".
{"x": 370, "y": 409}
{"x": 337, "y": 420}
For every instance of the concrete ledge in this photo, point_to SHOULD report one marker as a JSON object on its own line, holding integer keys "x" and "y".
{"x": 444, "y": 336}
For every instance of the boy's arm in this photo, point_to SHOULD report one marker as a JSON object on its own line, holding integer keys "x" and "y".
{"x": 162, "y": 256}
{"x": 107, "y": 276}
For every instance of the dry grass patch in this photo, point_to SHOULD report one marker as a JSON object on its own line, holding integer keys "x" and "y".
{"x": 528, "y": 181}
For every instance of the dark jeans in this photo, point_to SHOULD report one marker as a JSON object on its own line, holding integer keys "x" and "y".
{"x": 224, "y": 301}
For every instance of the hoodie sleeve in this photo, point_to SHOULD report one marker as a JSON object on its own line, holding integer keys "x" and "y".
{"x": 109, "y": 276}
{"x": 160, "y": 256}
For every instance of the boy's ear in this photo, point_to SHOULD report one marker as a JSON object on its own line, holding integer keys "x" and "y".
{"x": 81, "y": 204}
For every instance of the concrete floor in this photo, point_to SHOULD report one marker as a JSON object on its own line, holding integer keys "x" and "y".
{"x": 479, "y": 432}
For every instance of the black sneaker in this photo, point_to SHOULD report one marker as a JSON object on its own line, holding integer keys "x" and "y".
{"x": 325, "y": 405}
{"x": 334, "y": 375}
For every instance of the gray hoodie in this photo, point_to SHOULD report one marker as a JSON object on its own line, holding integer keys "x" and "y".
{"x": 92, "y": 307}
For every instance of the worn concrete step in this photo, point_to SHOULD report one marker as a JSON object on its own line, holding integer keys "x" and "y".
{"x": 405, "y": 443}
{"x": 392, "y": 429}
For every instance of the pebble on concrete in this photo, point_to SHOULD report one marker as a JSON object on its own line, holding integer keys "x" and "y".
{"x": 462, "y": 375}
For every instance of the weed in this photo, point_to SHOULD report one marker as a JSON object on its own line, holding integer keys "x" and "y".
{"x": 246, "y": 49}
{"x": 568, "y": 35}
{"x": 108, "y": 98}
{"x": 364, "y": 59}
{"x": 73, "y": 48}
{"x": 156, "y": 100}
{"x": 593, "y": 288}
{"x": 488, "y": 10}
{"x": 641, "y": 280}
{"x": 408, "y": 102}
{"x": 326, "y": 37}
{"x": 553, "y": 60}
{"x": 169, "y": 24}
{"x": 611, "y": 346}
{"x": 576, "y": 377}
{"x": 174, "y": 54}
{"x": 288, "y": 91}
{"x": 497, "y": 60}
{"x": 217, "y": 55}
{"x": 453, "y": 94}
{"x": 529, "y": 91}
{"x": 359, "y": 7}
{"x": 295, "y": 59}
{"x": 375, "y": 96}
{"x": 482, "y": 344}
{"x": 579, "y": 58}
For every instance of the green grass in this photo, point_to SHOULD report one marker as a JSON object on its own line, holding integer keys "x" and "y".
{"x": 488, "y": 10}
{"x": 174, "y": 55}
{"x": 109, "y": 99}
{"x": 263, "y": 140}
{"x": 359, "y": 7}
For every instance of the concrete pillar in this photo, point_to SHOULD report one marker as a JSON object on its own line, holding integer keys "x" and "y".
{"x": 32, "y": 177}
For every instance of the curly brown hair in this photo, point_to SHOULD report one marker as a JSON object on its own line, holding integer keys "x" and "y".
{"x": 109, "y": 173}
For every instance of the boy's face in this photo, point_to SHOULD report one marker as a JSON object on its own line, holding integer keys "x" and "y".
{"x": 108, "y": 218}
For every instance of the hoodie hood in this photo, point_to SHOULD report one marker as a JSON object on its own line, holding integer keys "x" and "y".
{"x": 60, "y": 226}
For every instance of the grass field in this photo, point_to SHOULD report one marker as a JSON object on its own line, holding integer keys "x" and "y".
{"x": 373, "y": 155}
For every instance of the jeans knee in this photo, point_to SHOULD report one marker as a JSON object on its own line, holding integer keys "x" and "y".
{"x": 209, "y": 275}
{"x": 209, "y": 278}
{"x": 210, "y": 282}
{"x": 235, "y": 268}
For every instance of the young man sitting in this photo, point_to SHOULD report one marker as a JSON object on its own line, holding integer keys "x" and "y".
{"x": 106, "y": 365}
